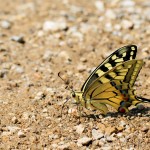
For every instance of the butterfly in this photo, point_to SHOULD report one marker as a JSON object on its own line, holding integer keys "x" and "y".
{"x": 111, "y": 83}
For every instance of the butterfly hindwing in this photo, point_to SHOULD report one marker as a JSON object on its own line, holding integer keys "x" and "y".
{"x": 117, "y": 96}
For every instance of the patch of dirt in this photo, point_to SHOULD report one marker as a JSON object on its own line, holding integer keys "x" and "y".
{"x": 38, "y": 39}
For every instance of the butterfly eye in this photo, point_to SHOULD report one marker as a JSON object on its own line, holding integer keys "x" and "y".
{"x": 73, "y": 94}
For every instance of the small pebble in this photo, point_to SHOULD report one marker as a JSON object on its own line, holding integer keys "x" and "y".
{"x": 40, "y": 96}
{"x": 126, "y": 24}
{"x": 14, "y": 120}
{"x": 110, "y": 14}
{"x": 79, "y": 129}
{"x": 25, "y": 115}
{"x": 48, "y": 55}
{"x": 100, "y": 5}
{"x": 54, "y": 26}
{"x": 73, "y": 111}
{"x": 19, "y": 39}
{"x": 145, "y": 129}
{"x": 65, "y": 146}
{"x": 122, "y": 123}
{"x": 13, "y": 129}
{"x": 110, "y": 130}
{"x": 54, "y": 145}
{"x": 119, "y": 134}
{"x": 64, "y": 55}
{"x": 96, "y": 134}
{"x": 110, "y": 138}
{"x": 18, "y": 68}
{"x": 5, "y": 24}
{"x": 81, "y": 68}
{"x": 122, "y": 140}
{"x": 127, "y": 3}
{"x": 5, "y": 133}
{"x": 84, "y": 141}
{"x": 106, "y": 148}
{"x": 53, "y": 136}
{"x": 21, "y": 134}
{"x": 45, "y": 110}
{"x": 108, "y": 27}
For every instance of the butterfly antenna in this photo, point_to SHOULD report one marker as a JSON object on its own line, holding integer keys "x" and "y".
{"x": 66, "y": 82}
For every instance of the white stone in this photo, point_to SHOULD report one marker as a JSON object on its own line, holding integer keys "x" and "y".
{"x": 39, "y": 96}
{"x": 5, "y": 133}
{"x": 78, "y": 35}
{"x": 126, "y": 24}
{"x": 79, "y": 129}
{"x": 75, "y": 9}
{"x": 100, "y": 5}
{"x": 45, "y": 110}
{"x": 21, "y": 134}
{"x": 25, "y": 115}
{"x": 110, "y": 138}
{"x": 127, "y": 3}
{"x": 13, "y": 129}
{"x": 117, "y": 27}
{"x": 73, "y": 111}
{"x": 84, "y": 141}
{"x": 106, "y": 147}
{"x": 5, "y": 24}
{"x": 54, "y": 145}
{"x": 96, "y": 134}
{"x": 64, "y": 54}
{"x": 81, "y": 68}
{"x": 64, "y": 146}
{"x": 14, "y": 120}
{"x": 18, "y": 69}
{"x": 119, "y": 134}
{"x": 110, "y": 14}
{"x": 48, "y": 55}
{"x": 19, "y": 39}
{"x": 108, "y": 27}
{"x": 122, "y": 123}
{"x": 54, "y": 26}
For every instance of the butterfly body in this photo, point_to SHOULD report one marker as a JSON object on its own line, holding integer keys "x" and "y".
{"x": 111, "y": 83}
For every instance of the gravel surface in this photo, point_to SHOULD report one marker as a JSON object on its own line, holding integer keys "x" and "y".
{"x": 38, "y": 39}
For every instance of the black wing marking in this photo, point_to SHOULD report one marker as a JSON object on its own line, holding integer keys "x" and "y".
{"x": 121, "y": 55}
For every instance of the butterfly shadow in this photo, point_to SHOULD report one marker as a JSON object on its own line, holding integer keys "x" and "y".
{"x": 133, "y": 112}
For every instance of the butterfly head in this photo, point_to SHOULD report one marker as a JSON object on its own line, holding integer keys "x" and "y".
{"x": 77, "y": 96}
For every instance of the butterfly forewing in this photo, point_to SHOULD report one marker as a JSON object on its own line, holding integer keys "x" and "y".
{"x": 119, "y": 56}
{"x": 125, "y": 72}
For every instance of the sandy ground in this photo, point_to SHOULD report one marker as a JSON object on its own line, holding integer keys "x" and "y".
{"x": 40, "y": 38}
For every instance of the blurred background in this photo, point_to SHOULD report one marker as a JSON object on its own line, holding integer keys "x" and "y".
{"x": 40, "y": 38}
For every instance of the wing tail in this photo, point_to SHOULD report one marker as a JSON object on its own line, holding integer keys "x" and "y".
{"x": 142, "y": 99}
{"x": 138, "y": 100}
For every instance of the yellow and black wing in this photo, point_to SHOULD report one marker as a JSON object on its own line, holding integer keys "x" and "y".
{"x": 119, "y": 56}
{"x": 114, "y": 87}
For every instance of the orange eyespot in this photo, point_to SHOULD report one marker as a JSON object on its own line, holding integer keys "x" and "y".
{"x": 122, "y": 110}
